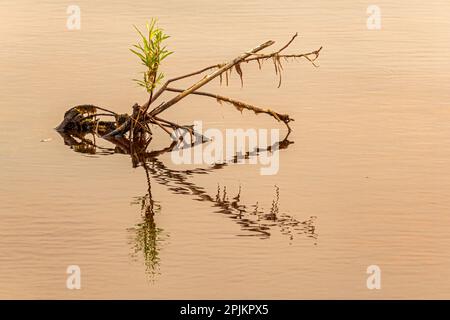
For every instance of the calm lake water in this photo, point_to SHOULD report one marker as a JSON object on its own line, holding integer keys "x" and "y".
{"x": 366, "y": 180}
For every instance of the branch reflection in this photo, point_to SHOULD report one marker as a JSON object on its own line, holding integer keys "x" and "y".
{"x": 147, "y": 238}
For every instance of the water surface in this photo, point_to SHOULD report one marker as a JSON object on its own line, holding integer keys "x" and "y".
{"x": 365, "y": 181}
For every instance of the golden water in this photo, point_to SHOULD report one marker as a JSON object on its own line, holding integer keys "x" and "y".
{"x": 365, "y": 182}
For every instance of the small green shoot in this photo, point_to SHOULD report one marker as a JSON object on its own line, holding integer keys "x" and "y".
{"x": 151, "y": 52}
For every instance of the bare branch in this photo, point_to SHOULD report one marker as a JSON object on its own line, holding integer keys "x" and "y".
{"x": 164, "y": 86}
{"x": 289, "y": 43}
{"x": 174, "y": 126}
{"x": 252, "y": 57}
{"x": 78, "y": 118}
{"x": 242, "y": 105}
{"x": 208, "y": 78}
{"x": 307, "y": 56}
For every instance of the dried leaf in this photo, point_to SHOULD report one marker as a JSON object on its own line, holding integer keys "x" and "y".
{"x": 259, "y": 63}
{"x": 239, "y": 72}
{"x": 275, "y": 64}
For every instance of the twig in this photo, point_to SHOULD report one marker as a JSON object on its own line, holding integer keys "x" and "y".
{"x": 189, "y": 128}
{"x": 253, "y": 56}
{"x": 208, "y": 78}
{"x": 289, "y": 43}
{"x": 140, "y": 117}
{"x": 242, "y": 105}
{"x": 164, "y": 86}
{"x": 287, "y": 56}
{"x": 162, "y": 127}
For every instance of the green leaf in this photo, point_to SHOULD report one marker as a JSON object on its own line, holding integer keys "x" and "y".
{"x": 138, "y": 54}
{"x": 151, "y": 53}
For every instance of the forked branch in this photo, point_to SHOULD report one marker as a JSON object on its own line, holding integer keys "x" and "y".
{"x": 85, "y": 117}
{"x": 252, "y": 55}
{"x": 208, "y": 78}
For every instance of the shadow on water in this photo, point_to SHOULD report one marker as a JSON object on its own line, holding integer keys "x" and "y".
{"x": 147, "y": 238}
